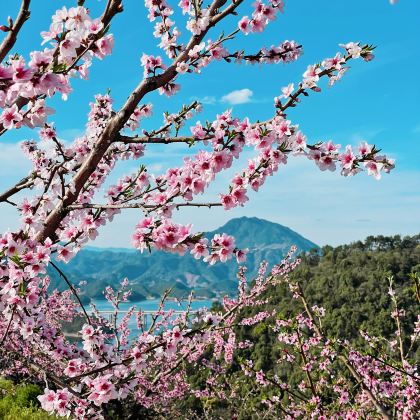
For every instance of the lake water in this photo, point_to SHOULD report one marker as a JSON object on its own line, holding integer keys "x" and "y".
{"x": 149, "y": 305}
{"x": 153, "y": 305}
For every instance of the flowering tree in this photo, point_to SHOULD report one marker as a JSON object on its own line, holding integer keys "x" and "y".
{"x": 334, "y": 378}
{"x": 62, "y": 214}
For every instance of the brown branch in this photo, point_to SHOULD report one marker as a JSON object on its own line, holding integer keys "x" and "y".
{"x": 397, "y": 320}
{"x": 26, "y": 182}
{"x": 39, "y": 368}
{"x": 382, "y": 411}
{"x": 158, "y": 140}
{"x": 113, "y": 7}
{"x": 135, "y": 206}
{"x": 118, "y": 121}
{"x": 294, "y": 96}
{"x": 182, "y": 115}
{"x": 161, "y": 306}
{"x": 305, "y": 362}
{"x": 14, "y": 29}
{"x": 8, "y": 327}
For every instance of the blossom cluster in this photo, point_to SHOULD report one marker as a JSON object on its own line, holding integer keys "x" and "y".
{"x": 76, "y": 39}
{"x": 164, "y": 29}
{"x": 261, "y": 16}
{"x": 154, "y": 350}
{"x": 169, "y": 236}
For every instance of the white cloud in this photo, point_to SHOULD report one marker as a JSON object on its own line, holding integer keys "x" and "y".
{"x": 236, "y": 97}
{"x": 156, "y": 167}
{"x": 416, "y": 129}
{"x": 69, "y": 135}
{"x": 13, "y": 163}
{"x": 208, "y": 100}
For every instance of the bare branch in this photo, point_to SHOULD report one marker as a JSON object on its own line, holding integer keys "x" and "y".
{"x": 14, "y": 29}
{"x": 135, "y": 206}
{"x": 26, "y": 182}
{"x": 158, "y": 140}
{"x": 6, "y": 332}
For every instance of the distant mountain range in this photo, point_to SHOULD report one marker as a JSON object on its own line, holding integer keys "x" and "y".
{"x": 150, "y": 274}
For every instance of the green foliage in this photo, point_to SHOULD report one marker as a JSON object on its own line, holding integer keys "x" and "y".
{"x": 351, "y": 283}
{"x": 19, "y": 402}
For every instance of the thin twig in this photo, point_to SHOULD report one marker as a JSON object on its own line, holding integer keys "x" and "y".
{"x": 26, "y": 182}
{"x": 8, "y": 327}
{"x": 73, "y": 291}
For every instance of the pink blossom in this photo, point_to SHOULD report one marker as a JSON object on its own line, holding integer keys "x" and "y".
{"x": 374, "y": 169}
{"x": 103, "y": 390}
{"x": 228, "y": 201}
{"x": 311, "y": 77}
{"x": 347, "y": 158}
{"x": 47, "y": 400}
{"x": 353, "y": 48}
{"x": 287, "y": 91}
{"x": 11, "y": 117}
{"x": 200, "y": 249}
{"x": 105, "y": 46}
{"x": 244, "y": 25}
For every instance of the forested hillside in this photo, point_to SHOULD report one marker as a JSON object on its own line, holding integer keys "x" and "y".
{"x": 351, "y": 282}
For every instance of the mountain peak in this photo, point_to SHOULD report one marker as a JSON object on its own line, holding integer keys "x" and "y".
{"x": 253, "y": 232}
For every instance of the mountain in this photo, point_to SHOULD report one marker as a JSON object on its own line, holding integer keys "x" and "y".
{"x": 254, "y": 233}
{"x": 150, "y": 274}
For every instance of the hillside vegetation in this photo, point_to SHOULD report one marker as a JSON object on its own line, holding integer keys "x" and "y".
{"x": 351, "y": 283}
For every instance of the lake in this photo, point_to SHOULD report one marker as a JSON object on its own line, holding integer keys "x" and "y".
{"x": 149, "y": 305}
{"x": 152, "y": 305}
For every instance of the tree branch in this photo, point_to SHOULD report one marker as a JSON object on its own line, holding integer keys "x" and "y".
{"x": 135, "y": 206}
{"x": 15, "y": 27}
{"x": 118, "y": 121}
{"x": 21, "y": 185}
{"x": 73, "y": 290}
{"x": 158, "y": 140}
{"x": 6, "y": 332}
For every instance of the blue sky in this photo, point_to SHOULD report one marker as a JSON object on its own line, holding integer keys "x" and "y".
{"x": 378, "y": 102}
